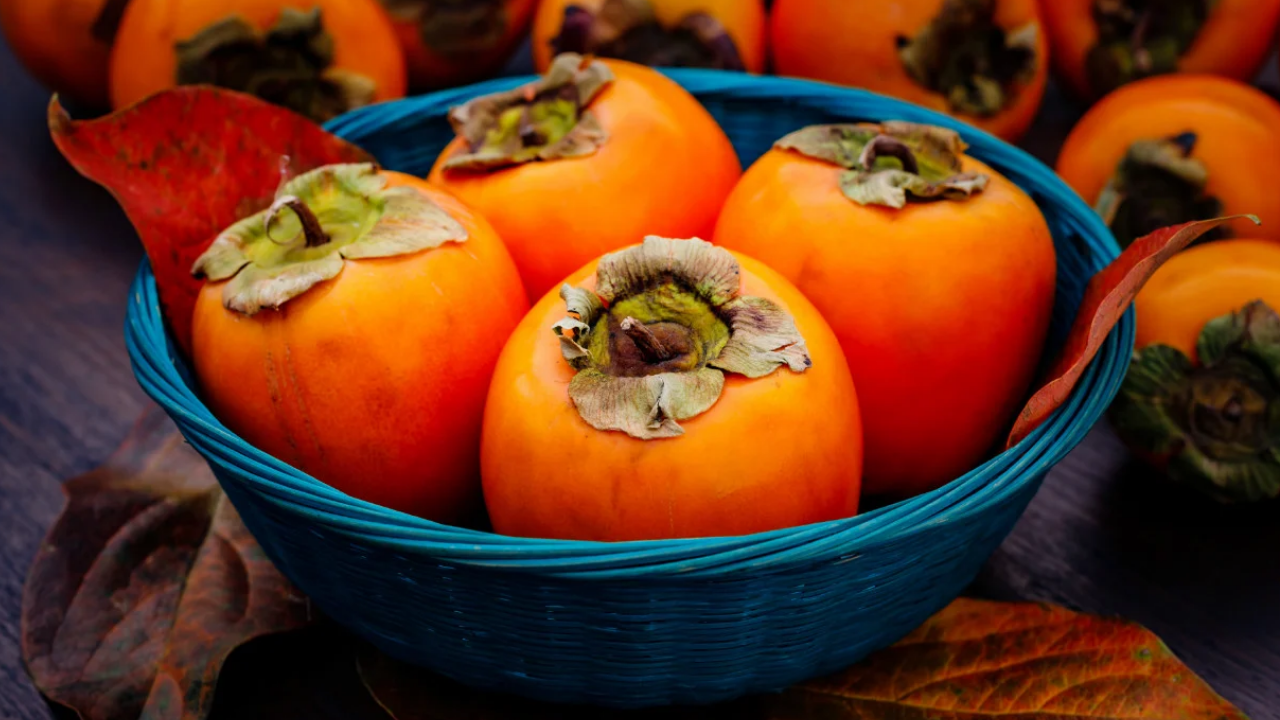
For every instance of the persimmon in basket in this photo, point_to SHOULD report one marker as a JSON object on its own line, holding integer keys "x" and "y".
{"x": 671, "y": 389}
{"x": 936, "y": 273}
{"x": 1170, "y": 149}
{"x": 319, "y": 58}
{"x": 1099, "y": 45}
{"x": 1202, "y": 397}
{"x": 720, "y": 34}
{"x": 585, "y": 160}
{"x": 452, "y": 42}
{"x": 351, "y": 330}
{"x": 984, "y": 61}
{"x": 64, "y": 43}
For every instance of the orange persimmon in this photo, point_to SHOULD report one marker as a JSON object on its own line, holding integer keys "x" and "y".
{"x": 984, "y": 61}
{"x": 1201, "y": 399}
{"x": 724, "y": 34}
{"x": 355, "y": 336}
{"x": 1174, "y": 148}
{"x": 1099, "y": 45}
{"x": 586, "y": 160}
{"x": 317, "y": 57}
{"x": 671, "y": 389}
{"x": 936, "y": 273}
{"x": 453, "y": 42}
{"x": 65, "y": 44}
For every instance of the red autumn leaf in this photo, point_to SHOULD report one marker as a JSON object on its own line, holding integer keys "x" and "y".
{"x": 1106, "y": 298}
{"x": 975, "y": 660}
{"x": 186, "y": 163}
{"x": 145, "y": 584}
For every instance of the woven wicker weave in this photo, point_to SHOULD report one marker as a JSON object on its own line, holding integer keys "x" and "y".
{"x": 636, "y": 624}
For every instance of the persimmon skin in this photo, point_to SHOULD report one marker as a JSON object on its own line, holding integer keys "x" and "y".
{"x": 55, "y": 42}
{"x": 1234, "y": 42}
{"x": 1202, "y": 283}
{"x": 853, "y": 44}
{"x": 144, "y": 62}
{"x": 942, "y": 308}
{"x": 665, "y": 170}
{"x": 431, "y": 70}
{"x": 1237, "y": 137}
{"x": 743, "y": 20}
{"x": 373, "y": 382}
{"x": 778, "y": 451}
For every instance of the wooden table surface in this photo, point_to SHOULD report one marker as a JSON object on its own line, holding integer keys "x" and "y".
{"x": 1104, "y": 535}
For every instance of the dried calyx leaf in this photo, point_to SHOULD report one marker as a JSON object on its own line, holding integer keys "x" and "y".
{"x": 890, "y": 162}
{"x": 289, "y": 65}
{"x": 1213, "y": 424}
{"x": 963, "y": 55}
{"x": 455, "y": 29}
{"x": 1157, "y": 183}
{"x": 652, "y": 344}
{"x": 630, "y": 30}
{"x": 547, "y": 119}
{"x": 321, "y": 219}
{"x": 1141, "y": 38}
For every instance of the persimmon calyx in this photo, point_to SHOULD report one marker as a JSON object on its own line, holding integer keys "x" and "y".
{"x": 1215, "y": 424}
{"x": 1141, "y": 38}
{"x": 335, "y": 213}
{"x": 289, "y": 65}
{"x": 667, "y": 320}
{"x": 1157, "y": 184}
{"x": 630, "y": 30}
{"x": 547, "y": 119}
{"x": 454, "y": 29}
{"x": 891, "y": 162}
{"x": 963, "y": 55}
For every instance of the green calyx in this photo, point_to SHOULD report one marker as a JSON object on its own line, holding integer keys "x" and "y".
{"x": 289, "y": 64}
{"x": 455, "y": 29}
{"x": 891, "y": 162}
{"x": 652, "y": 344}
{"x": 1215, "y": 424}
{"x": 1141, "y": 38}
{"x": 963, "y": 55}
{"x": 630, "y": 30}
{"x": 320, "y": 220}
{"x": 1157, "y": 184}
{"x": 547, "y": 119}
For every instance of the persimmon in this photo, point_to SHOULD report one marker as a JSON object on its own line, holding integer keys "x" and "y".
{"x": 722, "y": 34}
{"x": 319, "y": 58}
{"x": 453, "y": 42}
{"x": 936, "y": 273}
{"x": 1175, "y": 148}
{"x": 351, "y": 330}
{"x": 984, "y": 61}
{"x": 1100, "y": 45}
{"x": 1201, "y": 399}
{"x": 65, "y": 44}
{"x": 585, "y": 160}
{"x": 670, "y": 389}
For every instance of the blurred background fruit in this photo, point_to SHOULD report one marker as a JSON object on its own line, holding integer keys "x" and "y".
{"x": 65, "y": 44}
{"x": 454, "y": 42}
{"x": 724, "y": 34}
{"x": 1174, "y": 148}
{"x": 984, "y": 61}
{"x": 1099, "y": 45}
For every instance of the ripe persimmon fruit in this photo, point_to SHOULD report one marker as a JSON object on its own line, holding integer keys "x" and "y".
{"x": 722, "y": 34}
{"x": 65, "y": 44}
{"x": 351, "y": 331}
{"x": 1175, "y": 148}
{"x": 936, "y": 273}
{"x": 1099, "y": 45}
{"x": 319, "y": 58}
{"x": 586, "y": 160}
{"x": 670, "y": 389}
{"x": 453, "y": 42}
{"x": 1201, "y": 399}
{"x": 984, "y": 61}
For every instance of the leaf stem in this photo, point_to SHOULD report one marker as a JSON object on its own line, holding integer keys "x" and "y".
{"x": 311, "y": 230}
{"x": 649, "y": 345}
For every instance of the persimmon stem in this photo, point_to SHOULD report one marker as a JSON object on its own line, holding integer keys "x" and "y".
{"x": 649, "y": 345}
{"x": 888, "y": 146}
{"x": 311, "y": 230}
{"x": 1186, "y": 142}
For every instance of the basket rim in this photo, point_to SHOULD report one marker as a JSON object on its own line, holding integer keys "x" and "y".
{"x": 161, "y": 374}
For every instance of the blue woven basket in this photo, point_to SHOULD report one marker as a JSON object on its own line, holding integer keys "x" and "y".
{"x": 647, "y": 623}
